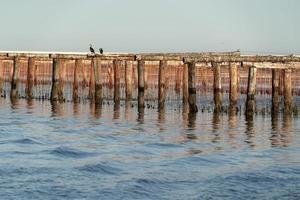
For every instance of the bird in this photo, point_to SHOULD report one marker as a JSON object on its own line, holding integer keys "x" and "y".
{"x": 91, "y": 49}
{"x": 101, "y": 51}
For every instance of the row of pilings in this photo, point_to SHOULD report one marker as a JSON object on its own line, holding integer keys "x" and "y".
{"x": 188, "y": 79}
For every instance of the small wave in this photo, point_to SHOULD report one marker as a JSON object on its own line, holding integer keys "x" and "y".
{"x": 26, "y": 141}
{"x": 103, "y": 168}
{"x": 163, "y": 145}
{"x": 70, "y": 153}
{"x": 20, "y": 141}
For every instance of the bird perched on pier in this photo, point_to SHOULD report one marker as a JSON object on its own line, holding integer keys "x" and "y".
{"x": 101, "y": 51}
{"x": 91, "y": 49}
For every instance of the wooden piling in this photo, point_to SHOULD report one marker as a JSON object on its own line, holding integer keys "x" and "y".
{"x": 141, "y": 84}
{"x": 117, "y": 77}
{"x": 233, "y": 89}
{"x": 57, "y": 89}
{"x": 30, "y": 78}
{"x": 110, "y": 75}
{"x": 98, "y": 82}
{"x": 1, "y": 78}
{"x": 192, "y": 87}
{"x": 92, "y": 81}
{"x": 178, "y": 80}
{"x": 288, "y": 98}
{"x": 185, "y": 84}
{"x": 128, "y": 80}
{"x": 162, "y": 84}
{"x": 146, "y": 73}
{"x": 275, "y": 90}
{"x": 251, "y": 90}
{"x": 78, "y": 65}
{"x": 217, "y": 86}
{"x": 15, "y": 78}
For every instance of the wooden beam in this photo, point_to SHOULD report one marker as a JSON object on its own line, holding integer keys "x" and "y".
{"x": 253, "y": 59}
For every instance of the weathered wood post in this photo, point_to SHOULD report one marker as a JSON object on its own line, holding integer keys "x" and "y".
{"x": 288, "y": 98}
{"x": 117, "y": 77}
{"x": 141, "y": 84}
{"x": 1, "y": 78}
{"x": 78, "y": 65}
{"x": 281, "y": 82}
{"x": 178, "y": 79}
{"x": 162, "y": 83}
{"x": 30, "y": 78}
{"x": 251, "y": 90}
{"x": 185, "y": 84}
{"x": 92, "y": 81}
{"x": 98, "y": 82}
{"x": 233, "y": 89}
{"x": 57, "y": 90}
{"x": 128, "y": 80}
{"x": 146, "y": 73}
{"x": 275, "y": 90}
{"x": 192, "y": 87}
{"x": 217, "y": 86}
{"x": 15, "y": 78}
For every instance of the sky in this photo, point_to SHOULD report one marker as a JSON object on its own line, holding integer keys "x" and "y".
{"x": 252, "y": 26}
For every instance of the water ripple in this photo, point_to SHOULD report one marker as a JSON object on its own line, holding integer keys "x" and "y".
{"x": 102, "y": 168}
{"x": 67, "y": 152}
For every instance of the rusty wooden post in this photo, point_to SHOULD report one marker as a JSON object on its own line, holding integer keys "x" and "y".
{"x": 78, "y": 64}
{"x": 128, "y": 80}
{"x": 57, "y": 86}
{"x": 185, "y": 84}
{"x": 217, "y": 86}
{"x": 30, "y": 78}
{"x": 117, "y": 76}
{"x": 192, "y": 88}
{"x": 141, "y": 84}
{"x": 92, "y": 81}
{"x": 251, "y": 90}
{"x": 15, "y": 78}
{"x": 275, "y": 90}
{"x": 288, "y": 98}
{"x": 233, "y": 89}
{"x": 162, "y": 83}
{"x": 98, "y": 82}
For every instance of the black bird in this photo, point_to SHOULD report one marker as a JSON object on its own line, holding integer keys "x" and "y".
{"x": 91, "y": 49}
{"x": 101, "y": 51}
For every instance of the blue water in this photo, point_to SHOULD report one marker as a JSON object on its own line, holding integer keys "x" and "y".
{"x": 79, "y": 151}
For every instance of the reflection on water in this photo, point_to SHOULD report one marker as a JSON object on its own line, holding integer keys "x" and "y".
{"x": 250, "y": 131}
{"x": 116, "y": 151}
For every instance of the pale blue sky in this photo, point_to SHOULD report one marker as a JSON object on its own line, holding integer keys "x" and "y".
{"x": 254, "y": 26}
